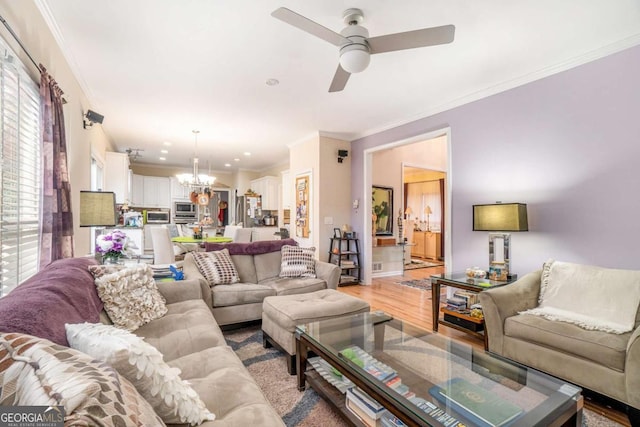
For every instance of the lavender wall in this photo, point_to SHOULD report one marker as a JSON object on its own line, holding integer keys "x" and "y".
{"x": 567, "y": 145}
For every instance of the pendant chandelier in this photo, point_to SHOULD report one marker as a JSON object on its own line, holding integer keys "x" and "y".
{"x": 196, "y": 181}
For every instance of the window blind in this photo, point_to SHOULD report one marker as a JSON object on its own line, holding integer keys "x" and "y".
{"x": 20, "y": 172}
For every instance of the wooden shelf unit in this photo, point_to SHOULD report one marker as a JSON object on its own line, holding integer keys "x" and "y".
{"x": 347, "y": 249}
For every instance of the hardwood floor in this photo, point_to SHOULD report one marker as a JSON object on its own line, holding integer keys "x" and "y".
{"x": 413, "y": 305}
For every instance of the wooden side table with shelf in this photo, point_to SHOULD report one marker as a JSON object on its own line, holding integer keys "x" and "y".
{"x": 345, "y": 253}
{"x": 457, "y": 320}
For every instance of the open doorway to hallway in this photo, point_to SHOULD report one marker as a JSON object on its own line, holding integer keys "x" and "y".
{"x": 385, "y": 168}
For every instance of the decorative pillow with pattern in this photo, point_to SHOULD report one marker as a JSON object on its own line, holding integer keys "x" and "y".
{"x": 172, "y": 398}
{"x": 130, "y": 295}
{"x": 217, "y": 267}
{"x": 35, "y": 371}
{"x": 298, "y": 262}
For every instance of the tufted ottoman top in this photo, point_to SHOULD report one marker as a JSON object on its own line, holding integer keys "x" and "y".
{"x": 291, "y": 310}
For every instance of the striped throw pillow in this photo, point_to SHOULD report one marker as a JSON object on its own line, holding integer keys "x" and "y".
{"x": 298, "y": 262}
{"x": 217, "y": 267}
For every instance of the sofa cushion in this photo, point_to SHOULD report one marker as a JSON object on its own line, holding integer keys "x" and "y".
{"x": 65, "y": 284}
{"x": 36, "y": 371}
{"x": 217, "y": 267}
{"x": 188, "y": 327}
{"x": 172, "y": 398}
{"x": 236, "y": 399}
{"x": 267, "y": 265}
{"x": 246, "y": 268}
{"x": 295, "y": 285}
{"x": 240, "y": 293}
{"x": 591, "y": 297}
{"x": 298, "y": 262}
{"x": 130, "y": 296}
{"x": 600, "y": 347}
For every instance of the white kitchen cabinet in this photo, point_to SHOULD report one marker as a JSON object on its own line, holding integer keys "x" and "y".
{"x": 287, "y": 190}
{"x": 157, "y": 192}
{"x": 267, "y": 187}
{"x": 116, "y": 171}
{"x": 179, "y": 192}
{"x": 137, "y": 190}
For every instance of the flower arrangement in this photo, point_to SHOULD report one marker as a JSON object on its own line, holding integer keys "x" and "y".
{"x": 113, "y": 245}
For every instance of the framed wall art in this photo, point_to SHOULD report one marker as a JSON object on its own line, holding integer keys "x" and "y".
{"x": 382, "y": 210}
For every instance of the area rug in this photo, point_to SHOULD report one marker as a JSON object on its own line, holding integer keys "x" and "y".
{"x": 305, "y": 409}
{"x": 424, "y": 284}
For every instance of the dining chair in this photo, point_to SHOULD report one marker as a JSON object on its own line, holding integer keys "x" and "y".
{"x": 163, "y": 252}
{"x": 242, "y": 235}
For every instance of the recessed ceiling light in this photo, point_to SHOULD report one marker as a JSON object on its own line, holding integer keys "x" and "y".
{"x": 164, "y": 151}
{"x": 227, "y": 165}
{"x": 163, "y": 158}
{"x": 246, "y": 153}
{"x": 273, "y": 82}
{"x": 166, "y": 143}
{"x": 236, "y": 160}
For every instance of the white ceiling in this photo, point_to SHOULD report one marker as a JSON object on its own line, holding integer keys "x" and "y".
{"x": 156, "y": 69}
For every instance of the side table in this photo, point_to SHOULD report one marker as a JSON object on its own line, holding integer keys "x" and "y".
{"x": 460, "y": 281}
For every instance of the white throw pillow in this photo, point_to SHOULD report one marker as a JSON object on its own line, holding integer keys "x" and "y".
{"x": 217, "y": 267}
{"x": 591, "y": 297}
{"x": 172, "y": 398}
{"x": 298, "y": 262}
{"x": 130, "y": 295}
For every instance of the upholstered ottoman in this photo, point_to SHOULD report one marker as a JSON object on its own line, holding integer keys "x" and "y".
{"x": 281, "y": 314}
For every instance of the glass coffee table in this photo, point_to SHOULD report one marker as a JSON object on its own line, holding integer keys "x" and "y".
{"x": 426, "y": 379}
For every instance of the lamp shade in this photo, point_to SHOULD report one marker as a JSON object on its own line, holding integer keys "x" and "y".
{"x": 98, "y": 209}
{"x": 500, "y": 217}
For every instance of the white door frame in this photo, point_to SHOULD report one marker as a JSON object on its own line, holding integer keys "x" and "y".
{"x": 367, "y": 240}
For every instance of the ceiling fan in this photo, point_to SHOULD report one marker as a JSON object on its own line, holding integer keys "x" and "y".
{"x": 355, "y": 44}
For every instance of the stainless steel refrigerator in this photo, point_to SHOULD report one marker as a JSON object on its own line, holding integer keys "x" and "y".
{"x": 248, "y": 210}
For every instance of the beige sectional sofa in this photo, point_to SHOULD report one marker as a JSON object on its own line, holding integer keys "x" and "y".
{"x": 587, "y": 355}
{"x": 188, "y": 337}
{"x": 258, "y": 265}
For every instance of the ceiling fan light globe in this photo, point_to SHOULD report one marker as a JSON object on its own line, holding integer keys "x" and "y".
{"x": 355, "y": 61}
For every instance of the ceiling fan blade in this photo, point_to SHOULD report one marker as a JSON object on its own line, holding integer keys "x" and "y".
{"x": 412, "y": 39}
{"x": 340, "y": 79}
{"x": 307, "y": 25}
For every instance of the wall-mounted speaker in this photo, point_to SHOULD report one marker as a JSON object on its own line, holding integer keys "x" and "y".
{"x": 94, "y": 117}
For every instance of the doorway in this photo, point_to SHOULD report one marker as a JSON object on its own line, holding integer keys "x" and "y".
{"x": 432, "y": 145}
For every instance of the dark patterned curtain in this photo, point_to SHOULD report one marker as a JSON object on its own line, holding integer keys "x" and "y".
{"x": 56, "y": 229}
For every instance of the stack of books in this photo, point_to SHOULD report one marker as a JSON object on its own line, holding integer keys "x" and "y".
{"x": 162, "y": 271}
{"x": 456, "y": 304}
{"x": 364, "y": 407}
{"x": 348, "y": 263}
{"x": 469, "y": 297}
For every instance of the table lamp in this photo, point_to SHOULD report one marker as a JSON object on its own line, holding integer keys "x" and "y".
{"x": 98, "y": 209}
{"x": 427, "y": 212}
{"x": 499, "y": 219}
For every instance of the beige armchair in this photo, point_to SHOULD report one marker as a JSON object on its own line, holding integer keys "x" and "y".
{"x": 607, "y": 363}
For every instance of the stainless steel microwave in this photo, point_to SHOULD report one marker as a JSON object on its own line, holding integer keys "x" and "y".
{"x": 184, "y": 209}
{"x": 158, "y": 217}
